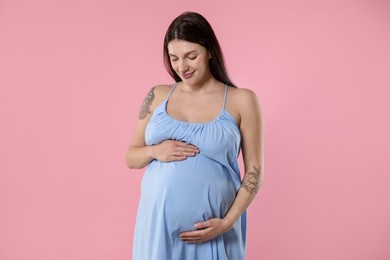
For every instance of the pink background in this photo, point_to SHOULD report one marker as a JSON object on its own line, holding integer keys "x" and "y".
{"x": 74, "y": 73}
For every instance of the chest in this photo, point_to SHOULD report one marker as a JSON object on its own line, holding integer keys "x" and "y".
{"x": 197, "y": 110}
{"x": 221, "y": 135}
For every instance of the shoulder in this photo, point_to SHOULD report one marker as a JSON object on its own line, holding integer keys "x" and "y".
{"x": 242, "y": 104}
{"x": 243, "y": 98}
{"x": 242, "y": 93}
{"x": 159, "y": 91}
{"x": 157, "y": 94}
{"x": 162, "y": 89}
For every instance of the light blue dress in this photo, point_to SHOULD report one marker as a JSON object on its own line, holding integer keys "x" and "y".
{"x": 175, "y": 195}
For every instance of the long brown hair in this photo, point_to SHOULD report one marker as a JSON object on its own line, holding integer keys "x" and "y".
{"x": 193, "y": 27}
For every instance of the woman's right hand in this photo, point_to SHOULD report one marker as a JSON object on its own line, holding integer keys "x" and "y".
{"x": 172, "y": 150}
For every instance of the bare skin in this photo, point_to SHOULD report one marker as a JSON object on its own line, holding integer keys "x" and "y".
{"x": 145, "y": 109}
{"x": 198, "y": 98}
{"x": 250, "y": 181}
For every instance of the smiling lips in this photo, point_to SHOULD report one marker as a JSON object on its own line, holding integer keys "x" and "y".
{"x": 188, "y": 75}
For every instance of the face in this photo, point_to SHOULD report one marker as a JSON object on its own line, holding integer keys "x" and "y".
{"x": 190, "y": 61}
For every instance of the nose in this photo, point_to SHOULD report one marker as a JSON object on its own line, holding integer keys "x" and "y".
{"x": 182, "y": 66}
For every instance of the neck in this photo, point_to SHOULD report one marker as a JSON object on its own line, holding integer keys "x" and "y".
{"x": 203, "y": 85}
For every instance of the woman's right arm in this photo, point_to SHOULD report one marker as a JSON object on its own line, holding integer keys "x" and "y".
{"x": 138, "y": 153}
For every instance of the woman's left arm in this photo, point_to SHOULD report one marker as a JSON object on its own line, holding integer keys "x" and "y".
{"x": 251, "y": 126}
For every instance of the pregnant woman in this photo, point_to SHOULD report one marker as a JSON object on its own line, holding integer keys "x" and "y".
{"x": 189, "y": 135}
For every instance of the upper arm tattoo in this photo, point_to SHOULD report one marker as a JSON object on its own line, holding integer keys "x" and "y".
{"x": 145, "y": 108}
{"x": 251, "y": 179}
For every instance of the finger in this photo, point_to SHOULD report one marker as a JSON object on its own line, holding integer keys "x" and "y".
{"x": 195, "y": 236}
{"x": 192, "y": 234}
{"x": 192, "y": 147}
{"x": 187, "y": 145}
{"x": 204, "y": 224}
{"x": 196, "y": 240}
{"x": 187, "y": 149}
{"x": 191, "y": 238}
{"x": 178, "y": 158}
{"x": 184, "y": 152}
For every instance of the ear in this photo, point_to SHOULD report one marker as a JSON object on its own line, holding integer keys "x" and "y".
{"x": 210, "y": 57}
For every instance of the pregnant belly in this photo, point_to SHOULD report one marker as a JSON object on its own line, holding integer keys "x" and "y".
{"x": 188, "y": 191}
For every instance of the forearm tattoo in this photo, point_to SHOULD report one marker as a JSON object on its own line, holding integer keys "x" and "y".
{"x": 145, "y": 108}
{"x": 251, "y": 179}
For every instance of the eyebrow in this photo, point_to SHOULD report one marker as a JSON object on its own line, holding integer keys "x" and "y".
{"x": 185, "y": 54}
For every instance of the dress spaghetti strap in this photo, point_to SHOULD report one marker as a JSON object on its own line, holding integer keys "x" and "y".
{"x": 170, "y": 92}
{"x": 224, "y": 99}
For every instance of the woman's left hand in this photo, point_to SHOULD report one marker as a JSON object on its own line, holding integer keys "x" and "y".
{"x": 205, "y": 231}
